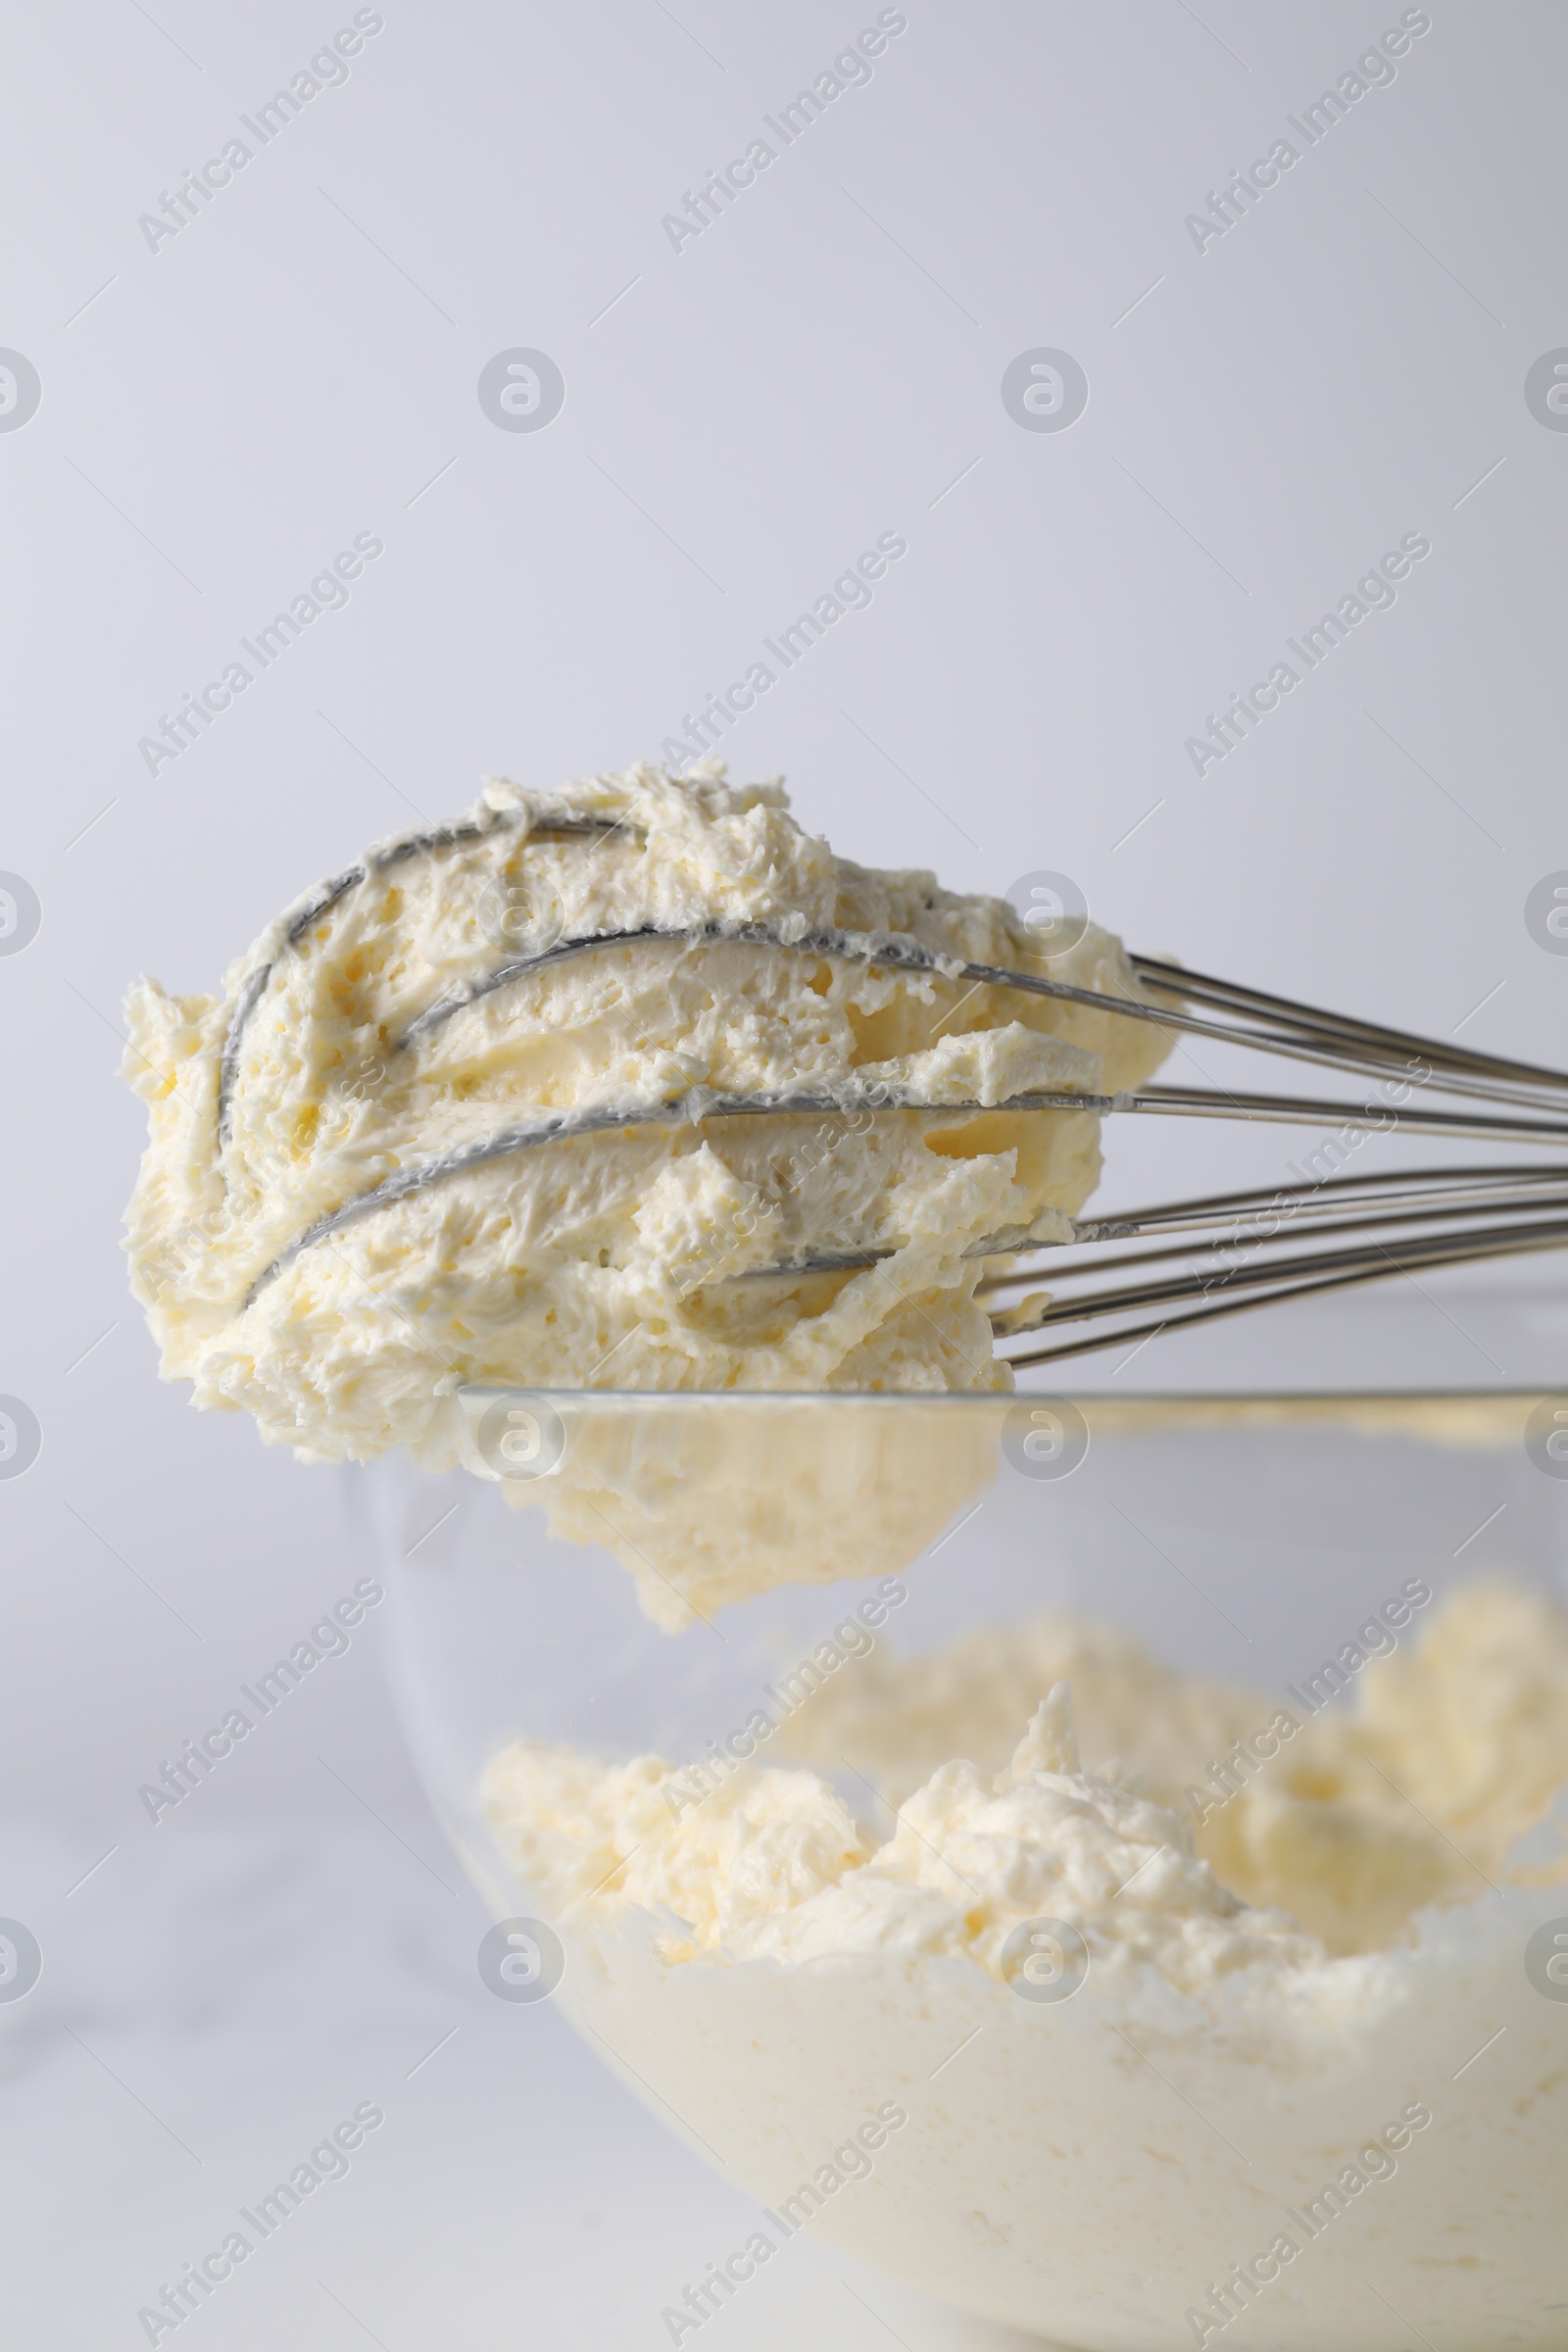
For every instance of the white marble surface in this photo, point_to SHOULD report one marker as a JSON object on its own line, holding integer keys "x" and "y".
{"x": 213, "y": 2003}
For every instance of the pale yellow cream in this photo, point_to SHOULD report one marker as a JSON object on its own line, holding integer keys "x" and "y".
{"x": 1234, "y": 2123}
{"x": 614, "y": 1260}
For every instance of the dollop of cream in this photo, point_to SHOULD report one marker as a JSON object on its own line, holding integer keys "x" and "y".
{"x": 1456, "y": 1750}
{"x": 773, "y": 1865}
{"x": 417, "y": 1011}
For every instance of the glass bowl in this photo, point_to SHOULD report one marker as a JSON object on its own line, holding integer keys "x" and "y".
{"x": 1235, "y": 2013}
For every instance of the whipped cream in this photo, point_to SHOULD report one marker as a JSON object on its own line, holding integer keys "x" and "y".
{"x": 341, "y": 1220}
{"x": 1228, "y": 2128}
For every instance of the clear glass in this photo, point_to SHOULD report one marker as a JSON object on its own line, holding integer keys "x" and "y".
{"x": 1097, "y": 2112}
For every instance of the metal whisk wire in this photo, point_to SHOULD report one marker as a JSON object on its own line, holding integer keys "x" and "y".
{"x": 1256, "y": 1249}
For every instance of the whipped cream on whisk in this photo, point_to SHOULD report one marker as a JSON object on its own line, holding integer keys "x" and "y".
{"x": 431, "y": 1132}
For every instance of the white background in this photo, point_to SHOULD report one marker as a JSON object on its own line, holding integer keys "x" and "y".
{"x": 742, "y": 417}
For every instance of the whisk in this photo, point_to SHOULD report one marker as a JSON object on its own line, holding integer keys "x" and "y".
{"x": 1251, "y": 1248}
{"x": 1259, "y": 1247}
